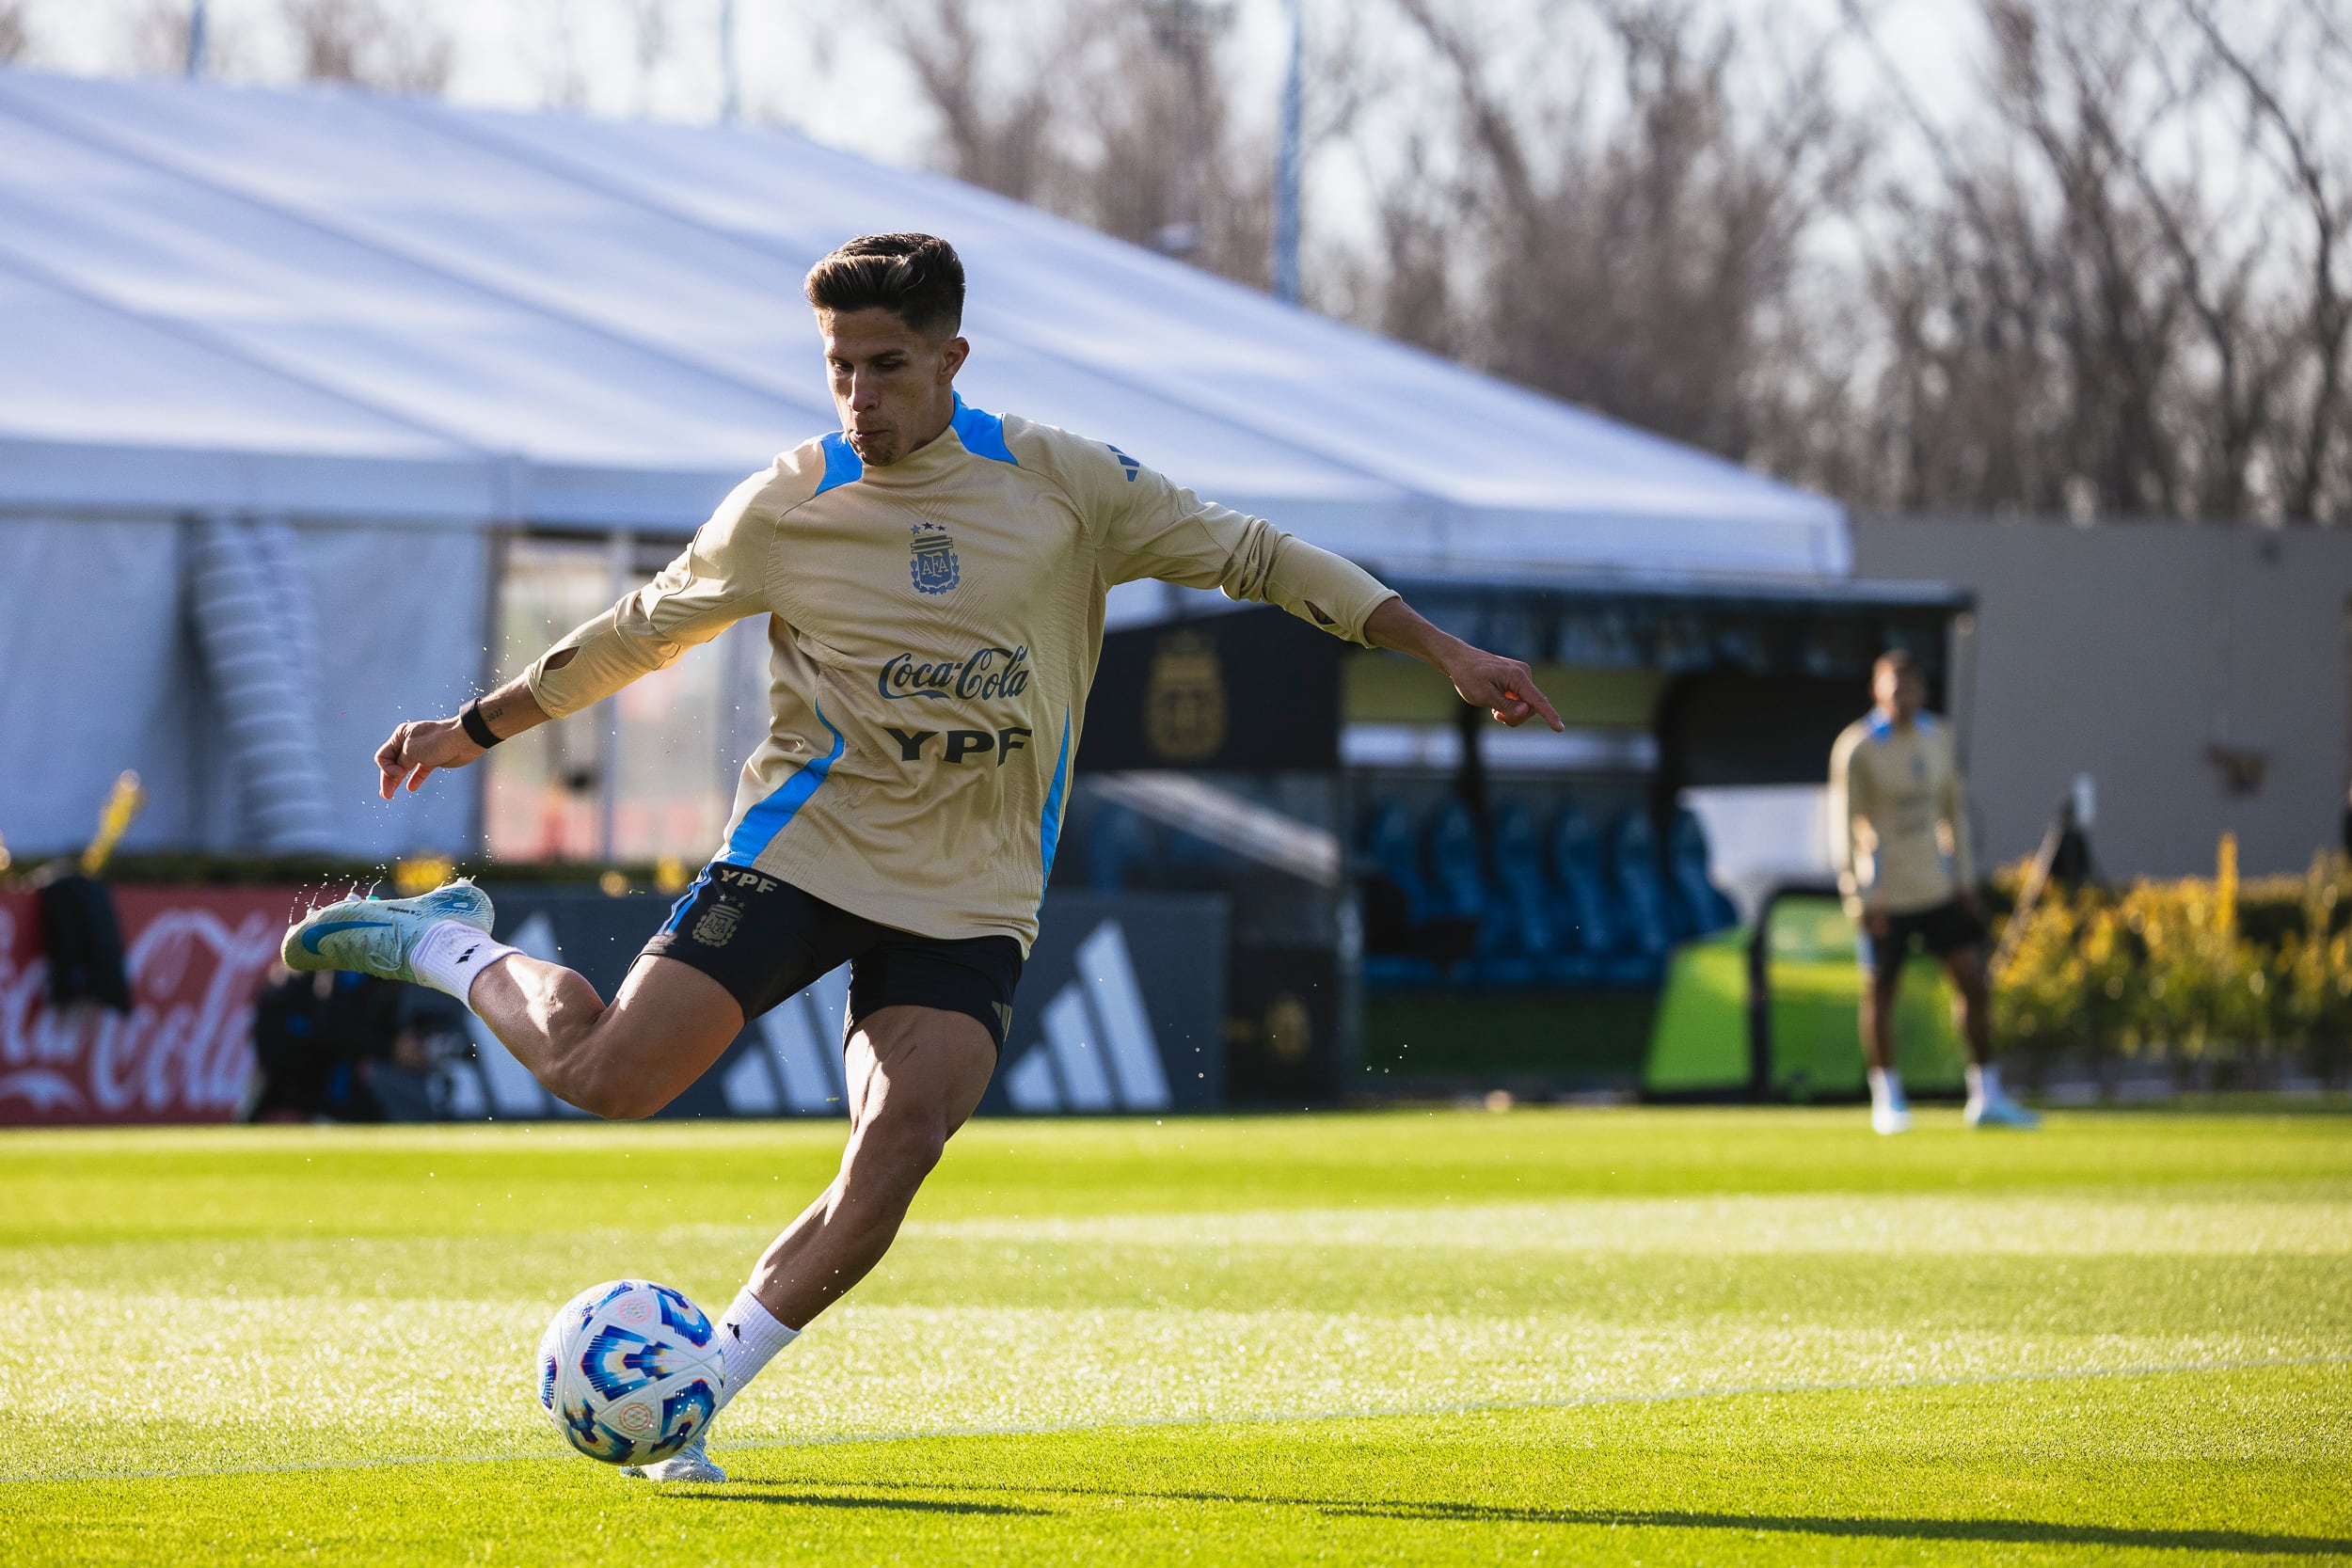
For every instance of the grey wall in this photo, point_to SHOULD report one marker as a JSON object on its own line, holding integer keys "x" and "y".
{"x": 2125, "y": 651}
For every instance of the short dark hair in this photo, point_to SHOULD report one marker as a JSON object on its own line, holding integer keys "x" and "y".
{"x": 918, "y": 275}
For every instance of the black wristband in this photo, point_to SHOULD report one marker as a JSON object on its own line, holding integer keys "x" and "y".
{"x": 477, "y": 728}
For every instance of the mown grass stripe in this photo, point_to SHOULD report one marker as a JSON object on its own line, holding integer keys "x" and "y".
{"x": 1468, "y": 1407}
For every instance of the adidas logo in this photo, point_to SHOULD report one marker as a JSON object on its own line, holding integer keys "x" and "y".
{"x": 1099, "y": 1053}
{"x": 801, "y": 1070}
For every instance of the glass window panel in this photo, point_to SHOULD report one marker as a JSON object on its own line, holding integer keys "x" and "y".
{"x": 665, "y": 733}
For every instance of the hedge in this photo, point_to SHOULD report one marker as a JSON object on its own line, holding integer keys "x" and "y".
{"x": 2186, "y": 972}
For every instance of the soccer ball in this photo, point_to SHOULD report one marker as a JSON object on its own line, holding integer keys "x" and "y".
{"x": 629, "y": 1371}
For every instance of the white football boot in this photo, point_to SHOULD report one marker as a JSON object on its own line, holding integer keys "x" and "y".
{"x": 1999, "y": 1110}
{"x": 691, "y": 1462}
{"x": 376, "y": 936}
{"x": 1890, "y": 1116}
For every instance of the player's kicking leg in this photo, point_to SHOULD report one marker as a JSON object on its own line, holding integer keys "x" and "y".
{"x": 914, "y": 1071}
{"x": 916, "y": 1075}
{"x": 621, "y": 1060}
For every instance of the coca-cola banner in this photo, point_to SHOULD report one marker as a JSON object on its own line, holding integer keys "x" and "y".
{"x": 195, "y": 957}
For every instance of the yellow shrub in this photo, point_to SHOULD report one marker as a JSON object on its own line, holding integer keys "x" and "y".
{"x": 2170, "y": 969}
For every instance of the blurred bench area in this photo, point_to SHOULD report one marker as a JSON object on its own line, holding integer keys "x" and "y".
{"x": 1424, "y": 902}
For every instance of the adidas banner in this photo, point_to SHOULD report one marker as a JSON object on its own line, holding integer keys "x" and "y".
{"x": 1120, "y": 1010}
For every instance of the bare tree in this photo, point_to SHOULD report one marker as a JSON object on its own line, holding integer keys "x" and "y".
{"x": 368, "y": 42}
{"x": 156, "y": 37}
{"x": 1633, "y": 239}
{"x": 650, "y": 32}
{"x": 2116, "y": 284}
{"x": 997, "y": 135}
{"x": 16, "y": 34}
{"x": 1109, "y": 114}
{"x": 2128, "y": 296}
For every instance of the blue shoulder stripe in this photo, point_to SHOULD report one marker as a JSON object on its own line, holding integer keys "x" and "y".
{"x": 1049, "y": 820}
{"x": 842, "y": 464}
{"x": 981, "y": 433}
{"x": 764, "y": 821}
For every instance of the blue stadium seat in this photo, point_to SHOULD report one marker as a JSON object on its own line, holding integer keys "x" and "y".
{"x": 1398, "y": 901}
{"x": 1390, "y": 849}
{"x": 1457, "y": 872}
{"x": 1641, "y": 894}
{"x": 1522, "y": 941}
{"x": 1587, "y": 923}
{"x": 1120, "y": 843}
{"x": 1700, "y": 904}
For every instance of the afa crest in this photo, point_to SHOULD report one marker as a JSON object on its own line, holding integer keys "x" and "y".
{"x": 717, "y": 926}
{"x": 933, "y": 563}
{"x": 1183, "y": 700}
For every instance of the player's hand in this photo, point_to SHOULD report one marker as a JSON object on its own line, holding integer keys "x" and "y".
{"x": 417, "y": 749}
{"x": 1969, "y": 903}
{"x": 1874, "y": 922}
{"x": 1503, "y": 687}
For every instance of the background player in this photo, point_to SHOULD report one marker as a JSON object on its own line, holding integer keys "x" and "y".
{"x": 1901, "y": 818}
{"x": 935, "y": 579}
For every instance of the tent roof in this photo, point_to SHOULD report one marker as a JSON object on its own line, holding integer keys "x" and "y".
{"x": 328, "y": 302}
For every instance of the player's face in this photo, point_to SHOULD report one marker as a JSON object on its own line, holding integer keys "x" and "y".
{"x": 1900, "y": 693}
{"x": 894, "y": 387}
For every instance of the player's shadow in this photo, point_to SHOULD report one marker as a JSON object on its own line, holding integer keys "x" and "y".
{"x": 2028, "y": 1531}
{"x": 819, "y": 1500}
{"x": 2003, "y": 1531}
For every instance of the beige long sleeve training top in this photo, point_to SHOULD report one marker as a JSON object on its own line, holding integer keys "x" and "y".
{"x": 933, "y": 628}
{"x": 1899, "y": 816}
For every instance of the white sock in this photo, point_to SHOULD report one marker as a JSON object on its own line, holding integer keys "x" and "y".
{"x": 451, "y": 955}
{"x": 749, "y": 1338}
{"x": 1886, "y": 1089}
{"x": 1984, "y": 1083}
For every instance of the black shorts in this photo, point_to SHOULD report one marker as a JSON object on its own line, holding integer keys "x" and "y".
{"x": 764, "y": 938}
{"x": 1944, "y": 929}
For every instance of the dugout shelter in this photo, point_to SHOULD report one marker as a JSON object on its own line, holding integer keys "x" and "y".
{"x": 1423, "y": 899}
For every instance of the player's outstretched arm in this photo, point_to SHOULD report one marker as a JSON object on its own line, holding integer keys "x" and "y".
{"x": 416, "y": 748}
{"x": 1503, "y": 687}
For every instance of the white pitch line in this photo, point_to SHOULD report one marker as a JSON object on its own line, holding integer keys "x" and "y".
{"x": 1468, "y": 1407}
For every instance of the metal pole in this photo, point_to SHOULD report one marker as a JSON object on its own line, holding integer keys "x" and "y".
{"x": 1285, "y": 259}
{"x": 730, "y": 67}
{"x": 197, "y": 28}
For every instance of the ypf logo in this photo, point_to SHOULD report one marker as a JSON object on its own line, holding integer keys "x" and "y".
{"x": 934, "y": 560}
{"x": 1183, "y": 700}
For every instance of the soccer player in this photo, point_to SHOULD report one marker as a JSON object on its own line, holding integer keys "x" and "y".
{"x": 1902, "y": 826}
{"x": 933, "y": 578}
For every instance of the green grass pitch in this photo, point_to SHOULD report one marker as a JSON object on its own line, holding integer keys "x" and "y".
{"x": 1596, "y": 1337}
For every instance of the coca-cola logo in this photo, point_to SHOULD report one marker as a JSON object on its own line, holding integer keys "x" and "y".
{"x": 185, "y": 1050}
{"x": 986, "y": 674}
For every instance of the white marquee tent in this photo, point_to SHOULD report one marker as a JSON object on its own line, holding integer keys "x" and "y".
{"x": 366, "y": 333}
